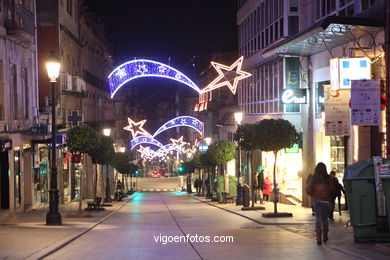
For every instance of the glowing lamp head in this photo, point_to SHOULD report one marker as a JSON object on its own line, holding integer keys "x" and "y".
{"x": 122, "y": 149}
{"x": 53, "y": 66}
{"x": 238, "y": 117}
{"x": 207, "y": 140}
{"x": 107, "y": 131}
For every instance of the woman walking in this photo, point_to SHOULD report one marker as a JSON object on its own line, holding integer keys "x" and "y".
{"x": 320, "y": 189}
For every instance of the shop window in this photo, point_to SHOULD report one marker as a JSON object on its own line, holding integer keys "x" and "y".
{"x": 17, "y": 180}
{"x": 320, "y": 98}
{"x": 337, "y": 161}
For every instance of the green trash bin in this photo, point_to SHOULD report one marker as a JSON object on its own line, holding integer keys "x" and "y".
{"x": 359, "y": 184}
{"x": 221, "y": 186}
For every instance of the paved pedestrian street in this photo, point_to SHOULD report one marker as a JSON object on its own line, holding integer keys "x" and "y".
{"x": 131, "y": 234}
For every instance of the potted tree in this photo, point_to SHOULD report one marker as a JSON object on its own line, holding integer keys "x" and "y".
{"x": 82, "y": 140}
{"x": 274, "y": 135}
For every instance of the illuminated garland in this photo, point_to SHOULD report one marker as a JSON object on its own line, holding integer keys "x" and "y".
{"x": 188, "y": 121}
{"x": 144, "y": 140}
{"x": 145, "y": 68}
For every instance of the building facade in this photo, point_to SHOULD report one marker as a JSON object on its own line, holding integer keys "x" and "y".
{"x": 290, "y": 45}
{"x": 18, "y": 103}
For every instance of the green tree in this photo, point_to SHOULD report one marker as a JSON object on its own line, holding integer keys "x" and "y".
{"x": 221, "y": 152}
{"x": 82, "y": 139}
{"x": 274, "y": 135}
{"x": 103, "y": 153}
{"x": 247, "y": 136}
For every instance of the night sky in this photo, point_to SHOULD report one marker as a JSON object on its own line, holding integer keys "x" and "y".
{"x": 188, "y": 31}
{"x": 158, "y": 29}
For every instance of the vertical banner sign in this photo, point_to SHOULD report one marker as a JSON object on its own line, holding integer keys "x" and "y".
{"x": 365, "y": 102}
{"x": 292, "y": 80}
{"x": 337, "y": 111}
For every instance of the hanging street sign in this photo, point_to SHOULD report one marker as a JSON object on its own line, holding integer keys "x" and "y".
{"x": 337, "y": 112}
{"x": 365, "y": 102}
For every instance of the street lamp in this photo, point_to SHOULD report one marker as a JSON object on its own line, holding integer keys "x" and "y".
{"x": 53, "y": 217}
{"x": 208, "y": 140}
{"x": 238, "y": 117}
{"x": 122, "y": 149}
{"x": 107, "y": 132}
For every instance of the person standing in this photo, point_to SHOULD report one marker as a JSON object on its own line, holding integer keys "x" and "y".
{"x": 337, "y": 189}
{"x": 261, "y": 186}
{"x": 320, "y": 189}
{"x": 267, "y": 188}
{"x": 255, "y": 187}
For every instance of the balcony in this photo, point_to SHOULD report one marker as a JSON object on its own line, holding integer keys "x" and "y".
{"x": 66, "y": 82}
{"x": 19, "y": 22}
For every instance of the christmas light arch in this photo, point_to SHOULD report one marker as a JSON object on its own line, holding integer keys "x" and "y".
{"x": 145, "y": 68}
{"x": 188, "y": 121}
{"x": 144, "y": 140}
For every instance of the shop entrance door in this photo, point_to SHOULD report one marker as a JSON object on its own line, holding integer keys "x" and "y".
{"x": 4, "y": 180}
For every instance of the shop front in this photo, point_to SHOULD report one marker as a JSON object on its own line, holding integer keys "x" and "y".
{"x": 288, "y": 170}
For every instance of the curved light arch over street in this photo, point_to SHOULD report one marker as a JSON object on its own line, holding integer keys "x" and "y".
{"x": 134, "y": 69}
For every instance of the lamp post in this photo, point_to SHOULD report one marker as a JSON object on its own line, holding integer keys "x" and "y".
{"x": 53, "y": 217}
{"x": 107, "y": 132}
{"x": 208, "y": 185}
{"x": 238, "y": 117}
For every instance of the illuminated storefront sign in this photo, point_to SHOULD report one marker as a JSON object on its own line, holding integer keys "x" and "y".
{"x": 294, "y": 96}
{"x": 342, "y": 71}
{"x": 292, "y": 149}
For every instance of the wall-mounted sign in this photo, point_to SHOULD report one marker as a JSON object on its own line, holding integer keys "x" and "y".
{"x": 342, "y": 71}
{"x": 365, "y": 102}
{"x": 337, "y": 112}
{"x": 294, "y": 96}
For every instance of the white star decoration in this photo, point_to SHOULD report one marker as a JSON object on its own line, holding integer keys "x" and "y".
{"x": 223, "y": 70}
{"x": 136, "y": 128}
{"x": 121, "y": 73}
{"x": 178, "y": 142}
{"x": 142, "y": 69}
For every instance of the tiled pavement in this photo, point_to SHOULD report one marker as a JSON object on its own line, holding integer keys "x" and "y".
{"x": 302, "y": 223}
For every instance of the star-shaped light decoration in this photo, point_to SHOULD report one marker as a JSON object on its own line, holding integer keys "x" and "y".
{"x": 146, "y": 152}
{"x": 142, "y": 69}
{"x": 178, "y": 142}
{"x": 136, "y": 128}
{"x": 227, "y": 76}
{"x": 121, "y": 73}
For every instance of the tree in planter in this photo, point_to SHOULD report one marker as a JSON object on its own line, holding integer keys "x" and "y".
{"x": 103, "y": 154}
{"x": 274, "y": 135}
{"x": 220, "y": 153}
{"x": 247, "y": 135}
{"x": 205, "y": 163}
{"x": 82, "y": 139}
{"x": 121, "y": 163}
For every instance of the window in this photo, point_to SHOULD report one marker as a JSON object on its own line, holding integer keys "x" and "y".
{"x": 69, "y": 7}
{"x": 324, "y": 8}
{"x": 26, "y": 93}
{"x": 14, "y": 93}
{"x": 1, "y": 91}
{"x": 366, "y": 4}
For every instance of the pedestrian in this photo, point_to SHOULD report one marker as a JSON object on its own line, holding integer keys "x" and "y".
{"x": 197, "y": 185}
{"x": 261, "y": 186}
{"x": 255, "y": 187}
{"x": 320, "y": 190}
{"x": 267, "y": 188}
{"x": 337, "y": 190}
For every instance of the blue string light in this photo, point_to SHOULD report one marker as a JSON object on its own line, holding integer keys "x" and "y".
{"x": 145, "y": 68}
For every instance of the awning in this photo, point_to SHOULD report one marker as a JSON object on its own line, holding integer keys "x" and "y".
{"x": 324, "y": 35}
